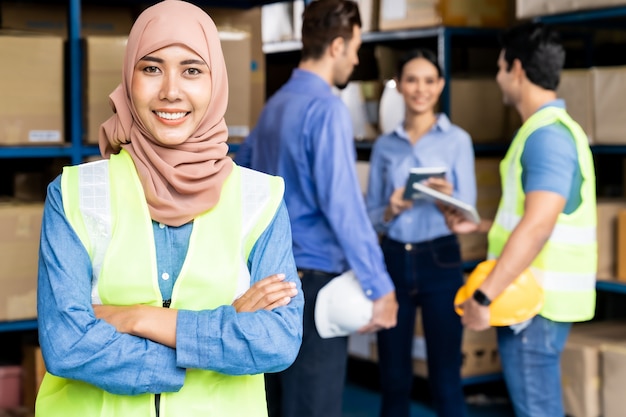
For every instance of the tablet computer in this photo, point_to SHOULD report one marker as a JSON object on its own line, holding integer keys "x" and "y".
{"x": 420, "y": 174}
{"x": 467, "y": 210}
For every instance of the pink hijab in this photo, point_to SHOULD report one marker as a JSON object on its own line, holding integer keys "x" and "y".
{"x": 184, "y": 181}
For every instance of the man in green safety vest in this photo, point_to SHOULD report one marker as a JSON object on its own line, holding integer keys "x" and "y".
{"x": 546, "y": 221}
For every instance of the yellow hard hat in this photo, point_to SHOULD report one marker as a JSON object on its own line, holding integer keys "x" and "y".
{"x": 520, "y": 301}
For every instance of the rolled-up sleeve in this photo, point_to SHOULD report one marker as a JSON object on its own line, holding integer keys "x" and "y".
{"x": 74, "y": 343}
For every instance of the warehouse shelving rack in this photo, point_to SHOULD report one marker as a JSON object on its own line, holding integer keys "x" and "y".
{"x": 76, "y": 151}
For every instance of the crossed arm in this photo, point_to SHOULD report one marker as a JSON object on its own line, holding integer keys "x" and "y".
{"x": 159, "y": 324}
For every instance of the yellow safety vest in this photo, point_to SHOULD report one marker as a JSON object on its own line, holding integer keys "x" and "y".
{"x": 566, "y": 266}
{"x": 114, "y": 219}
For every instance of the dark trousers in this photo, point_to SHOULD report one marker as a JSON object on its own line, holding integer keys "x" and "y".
{"x": 313, "y": 385}
{"x": 426, "y": 275}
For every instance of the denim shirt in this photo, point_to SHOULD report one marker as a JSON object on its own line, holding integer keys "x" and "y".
{"x": 76, "y": 345}
{"x": 393, "y": 155}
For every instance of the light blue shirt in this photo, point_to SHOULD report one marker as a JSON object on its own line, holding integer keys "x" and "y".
{"x": 550, "y": 162}
{"x": 304, "y": 135}
{"x": 393, "y": 155}
{"x": 76, "y": 345}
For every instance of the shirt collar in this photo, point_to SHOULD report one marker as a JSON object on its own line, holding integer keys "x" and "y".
{"x": 315, "y": 81}
{"x": 442, "y": 125}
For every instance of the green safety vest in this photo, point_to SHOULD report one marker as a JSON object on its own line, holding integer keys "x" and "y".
{"x": 566, "y": 266}
{"x": 105, "y": 203}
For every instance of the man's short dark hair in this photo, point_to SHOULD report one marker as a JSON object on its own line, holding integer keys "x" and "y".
{"x": 325, "y": 20}
{"x": 539, "y": 50}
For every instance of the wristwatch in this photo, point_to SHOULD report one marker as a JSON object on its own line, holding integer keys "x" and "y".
{"x": 481, "y": 298}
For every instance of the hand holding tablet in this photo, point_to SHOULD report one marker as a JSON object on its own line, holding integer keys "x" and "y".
{"x": 418, "y": 175}
{"x": 468, "y": 211}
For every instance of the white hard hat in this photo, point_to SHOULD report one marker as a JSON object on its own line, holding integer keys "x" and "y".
{"x": 341, "y": 307}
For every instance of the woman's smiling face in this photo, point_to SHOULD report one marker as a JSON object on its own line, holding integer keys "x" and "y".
{"x": 171, "y": 92}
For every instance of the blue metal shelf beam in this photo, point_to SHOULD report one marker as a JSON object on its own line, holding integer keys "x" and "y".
{"x": 18, "y": 326}
{"x": 584, "y": 16}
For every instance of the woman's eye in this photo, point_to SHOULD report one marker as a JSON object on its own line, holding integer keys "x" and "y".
{"x": 151, "y": 69}
{"x": 193, "y": 71}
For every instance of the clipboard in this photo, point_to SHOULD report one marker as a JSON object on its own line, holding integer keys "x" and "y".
{"x": 468, "y": 211}
{"x": 417, "y": 175}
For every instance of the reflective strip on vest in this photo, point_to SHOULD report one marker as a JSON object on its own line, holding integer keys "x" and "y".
{"x": 561, "y": 233}
{"x": 554, "y": 281}
{"x": 95, "y": 204}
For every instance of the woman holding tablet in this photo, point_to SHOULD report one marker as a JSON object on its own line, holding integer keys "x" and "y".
{"x": 422, "y": 254}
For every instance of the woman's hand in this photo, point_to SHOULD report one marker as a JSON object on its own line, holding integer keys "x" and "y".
{"x": 155, "y": 323}
{"x": 397, "y": 204}
{"x": 440, "y": 184}
{"x": 123, "y": 318}
{"x": 457, "y": 223}
{"x": 267, "y": 294}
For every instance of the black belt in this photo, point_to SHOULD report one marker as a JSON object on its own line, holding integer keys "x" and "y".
{"x": 418, "y": 246}
{"x": 324, "y": 274}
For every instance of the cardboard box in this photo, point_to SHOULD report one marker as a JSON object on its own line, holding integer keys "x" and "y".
{"x": 609, "y": 90}
{"x": 236, "y": 48}
{"x": 580, "y": 376}
{"x": 608, "y": 211}
{"x": 479, "y": 350}
{"x": 409, "y": 14}
{"x": 532, "y": 8}
{"x": 478, "y": 359}
{"x": 485, "y": 119}
{"x": 104, "y": 59}
{"x": 19, "y": 255}
{"x": 576, "y": 88}
{"x": 614, "y": 379}
{"x": 31, "y": 110}
{"x": 248, "y": 20}
{"x": 52, "y": 18}
{"x": 488, "y": 193}
{"x": 581, "y": 366}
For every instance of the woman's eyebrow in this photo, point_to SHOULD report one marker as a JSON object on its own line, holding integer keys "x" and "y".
{"x": 152, "y": 59}
{"x": 184, "y": 62}
{"x": 193, "y": 62}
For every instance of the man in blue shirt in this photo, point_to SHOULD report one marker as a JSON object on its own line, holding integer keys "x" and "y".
{"x": 304, "y": 134}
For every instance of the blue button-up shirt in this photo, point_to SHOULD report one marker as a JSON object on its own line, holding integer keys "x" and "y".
{"x": 304, "y": 135}
{"x": 393, "y": 155}
{"x": 76, "y": 345}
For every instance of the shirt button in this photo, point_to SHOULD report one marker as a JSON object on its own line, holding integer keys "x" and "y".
{"x": 161, "y": 226}
{"x": 408, "y": 247}
{"x": 165, "y": 276}
{"x": 368, "y": 292}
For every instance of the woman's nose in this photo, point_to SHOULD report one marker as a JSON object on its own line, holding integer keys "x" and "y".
{"x": 170, "y": 88}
